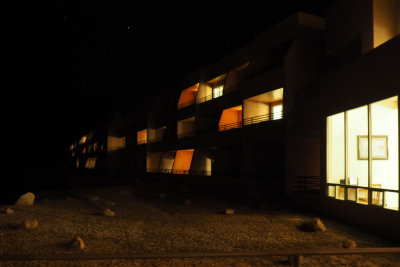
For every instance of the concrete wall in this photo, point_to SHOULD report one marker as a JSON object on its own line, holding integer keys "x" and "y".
{"x": 386, "y": 17}
{"x": 346, "y": 21}
{"x": 201, "y": 161}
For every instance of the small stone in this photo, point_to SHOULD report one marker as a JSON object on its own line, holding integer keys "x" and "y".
{"x": 78, "y": 243}
{"x": 29, "y": 224}
{"x": 349, "y": 244}
{"x": 9, "y": 211}
{"x": 109, "y": 213}
{"x": 162, "y": 196}
{"x": 94, "y": 199}
{"x": 26, "y": 200}
{"x": 229, "y": 211}
{"x": 315, "y": 225}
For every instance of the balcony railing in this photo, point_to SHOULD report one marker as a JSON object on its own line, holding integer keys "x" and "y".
{"x": 250, "y": 121}
{"x": 186, "y": 104}
{"x": 141, "y": 142}
{"x": 205, "y": 99}
{"x": 180, "y": 172}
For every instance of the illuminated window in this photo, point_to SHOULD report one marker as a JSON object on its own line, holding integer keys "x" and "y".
{"x": 188, "y": 96}
{"x": 218, "y": 91}
{"x": 142, "y": 137}
{"x": 277, "y": 112}
{"x": 90, "y": 163}
{"x": 115, "y": 143}
{"x": 363, "y": 154}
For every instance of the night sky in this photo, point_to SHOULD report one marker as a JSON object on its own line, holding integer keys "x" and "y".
{"x": 70, "y": 63}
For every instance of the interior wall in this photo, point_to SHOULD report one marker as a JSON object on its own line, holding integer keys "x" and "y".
{"x": 253, "y": 108}
{"x": 204, "y": 90}
{"x": 167, "y": 160}
{"x": 153, "y": 160}
{"x": 201, "y": 161}
{"x": 183, "y": 160}
{"x": 230, "y": 116}
{"x": 386, "y": 20}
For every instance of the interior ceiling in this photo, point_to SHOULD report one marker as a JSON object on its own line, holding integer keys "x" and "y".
{"x": 268, "y": 97}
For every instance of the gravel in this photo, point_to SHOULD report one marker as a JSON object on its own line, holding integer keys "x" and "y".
{"x": 145, "y": 223}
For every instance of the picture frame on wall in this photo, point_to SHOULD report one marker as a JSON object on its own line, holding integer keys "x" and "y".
{"x": 379, "y": 147}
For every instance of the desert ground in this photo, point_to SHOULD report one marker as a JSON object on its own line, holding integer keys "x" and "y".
{"x": 155, "y": 218}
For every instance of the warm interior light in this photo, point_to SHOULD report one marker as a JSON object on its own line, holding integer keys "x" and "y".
{"x": 362, "y": 138}
{"x": 263, "y": 107}
{"x": 183, "y": 160}
{"x": 218, "y": 91}
{"x": 82, "y": 140}
{"x": 142, "y": 137}
{"x": 386, "y": 20}
{"x": 231, "y": 118}
{"x": 188, "y": 96}
{"x": 90, "y": 163}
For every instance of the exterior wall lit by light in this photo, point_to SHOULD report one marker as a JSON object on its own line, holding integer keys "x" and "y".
{"x": 386, "y": 20}
{"x": 90, "y": 163}
{"x": 82, "y": 140}
{"x": 115, "y": 143}
{"x": 183, "y": 160}
{"x": 363, "y": 154}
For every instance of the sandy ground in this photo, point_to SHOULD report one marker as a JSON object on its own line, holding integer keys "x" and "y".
{"x": 146, "y": 223}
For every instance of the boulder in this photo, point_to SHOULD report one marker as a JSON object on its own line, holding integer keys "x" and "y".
{"x": 229, "y": 211}
{"x": 315, "y": 225}
{"x": 78, "y": 243}
{"x": 26, "y": 200}
{"x": 109, "y": 213}
{"x": 349, "y": 244}
{"x": 29, "y": 224}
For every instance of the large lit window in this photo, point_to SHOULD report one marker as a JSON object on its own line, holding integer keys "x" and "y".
{"x": 277, "y": 112}
{"x": 363, "y": 154}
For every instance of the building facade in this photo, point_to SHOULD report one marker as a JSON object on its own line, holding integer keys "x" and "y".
{"x": 307, "y": 110}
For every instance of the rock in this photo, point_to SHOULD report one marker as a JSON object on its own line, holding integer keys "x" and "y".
{"x": 78, "y": 243}
{"x": 229, "y": 211}
{"x": 26, "y": 200}
{"x": 93, "y": 199}
{"x": 109, "y": 213}
{"x": 315, "y": 225}
{"x": 349, "y": 244}
{"x": 9, "y": 211}
{"x": 162, "y": 196}
{"x": 29, "y": 224}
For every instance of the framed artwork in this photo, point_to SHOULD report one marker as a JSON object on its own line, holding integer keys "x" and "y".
{"x": 379, "y": 147}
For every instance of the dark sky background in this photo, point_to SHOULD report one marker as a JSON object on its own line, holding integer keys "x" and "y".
{"x": 69, "y": 63}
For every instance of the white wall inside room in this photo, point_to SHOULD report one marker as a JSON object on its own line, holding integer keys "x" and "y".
{"x": 335, "y": 148}
{"x": 357, "y": 124}
{"x": 253, "y": 108}
{"x": 384, "y": 122}
{"x": 201, "y": 161}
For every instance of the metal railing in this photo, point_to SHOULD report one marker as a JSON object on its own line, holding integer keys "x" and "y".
{"x": 186, "y": 104}
{"x": 297, "y": 254}
{"x": 306, "y": 183}
{"x": 141, "y": 142}
{"x": 205, "y": 99}
{"x": 181, "y": 172}
{"x": 250, "y": 121}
